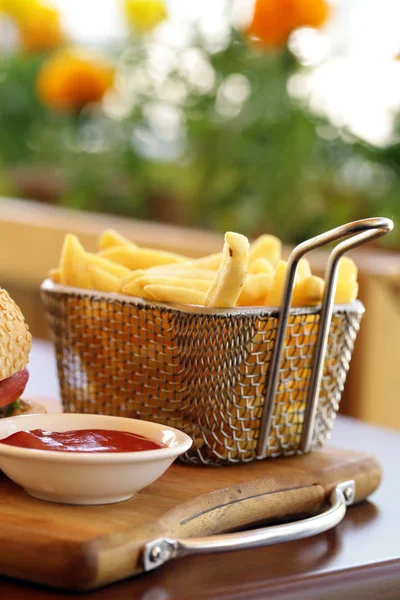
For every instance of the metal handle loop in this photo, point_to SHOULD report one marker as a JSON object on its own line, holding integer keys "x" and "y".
{"x": 359, "y": 233}
{"x": 161, "y": 550}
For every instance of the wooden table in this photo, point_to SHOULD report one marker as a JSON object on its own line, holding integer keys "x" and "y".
{"x": 358, "y": 559}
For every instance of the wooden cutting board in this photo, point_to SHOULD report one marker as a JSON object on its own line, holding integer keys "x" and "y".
{"x": 84, "y": 547}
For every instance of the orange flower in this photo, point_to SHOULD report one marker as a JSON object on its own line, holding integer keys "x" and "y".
{"x": 274, "y": 20}
{"x": 40, "y": 28}
{"x": 69, "y": 80}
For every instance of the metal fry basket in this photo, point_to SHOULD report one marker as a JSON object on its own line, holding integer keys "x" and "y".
{"x": 245, "y": 383}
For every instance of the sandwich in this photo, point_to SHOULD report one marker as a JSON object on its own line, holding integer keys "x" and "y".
{"x": 15, "y": 345}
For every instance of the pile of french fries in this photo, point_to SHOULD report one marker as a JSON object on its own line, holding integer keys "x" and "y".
{"x": 243, "y": 274}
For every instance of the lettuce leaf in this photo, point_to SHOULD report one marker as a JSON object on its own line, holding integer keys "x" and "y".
{"x": 6, "y": 411}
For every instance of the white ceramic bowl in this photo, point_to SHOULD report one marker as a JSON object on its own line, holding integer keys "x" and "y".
{"x": 80, "y": 478}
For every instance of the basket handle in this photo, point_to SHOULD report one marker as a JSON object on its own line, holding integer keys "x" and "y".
{"x": 160, "y": 550}
{"x": 358, "y": 233}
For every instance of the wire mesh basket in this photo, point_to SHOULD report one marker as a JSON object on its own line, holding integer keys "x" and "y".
{"x": 243, "y": 383}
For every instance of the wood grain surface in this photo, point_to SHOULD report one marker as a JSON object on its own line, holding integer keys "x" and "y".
{"x": 90, "y": 546}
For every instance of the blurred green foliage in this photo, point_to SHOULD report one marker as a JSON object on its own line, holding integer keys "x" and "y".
{"x": 213, "y": 141}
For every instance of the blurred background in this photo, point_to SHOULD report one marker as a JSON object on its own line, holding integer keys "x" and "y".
{"x": 279, "y": 116}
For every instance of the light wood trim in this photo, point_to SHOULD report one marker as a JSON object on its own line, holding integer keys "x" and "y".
{"x": 379, "y": 387}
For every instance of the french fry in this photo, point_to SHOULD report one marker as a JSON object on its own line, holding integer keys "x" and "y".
{"x": 102, "y": 280}
{"x": 110, "y": 238}
{"x": 347, "y": 270}
{"x": 274, "y": 295}
{"x": 128, "y": 284}
{"x": 140, "y": 258}
{"x": 303, "y": 270}
{"x": 347, "y": 286}
{"x": 132, "y": 288}
{"x": 55, "y": 275}
{"x": 229, "y": 279}
{"x": 107, "y": 265}
{"x": 73, "y": 264}
{"x": 255, "y": 288}
{"x": 206, "y": 263}
{"x": 169, "y": 293}
{"x": 195, "y": 284}
{"x": 261, "y": 265}
{"x": 133, "y": 275}
{"x": 266, "y": 246}
{"x": 212, "y": 261}
{"x": 184, "y": 270}
{"x": 188, "y": 269}
{"x": 308, "y": 292}
{"x": 346, "y": 292}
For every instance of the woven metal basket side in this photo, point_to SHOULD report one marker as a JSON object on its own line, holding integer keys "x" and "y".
{"x": 202, "y": 373}
{"x": 342, "y": 336}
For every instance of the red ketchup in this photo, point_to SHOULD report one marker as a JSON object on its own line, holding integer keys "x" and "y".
{"x": 82, "y": 440}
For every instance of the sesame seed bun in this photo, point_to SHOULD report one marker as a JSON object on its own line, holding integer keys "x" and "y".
{"x": 15, "y": 338}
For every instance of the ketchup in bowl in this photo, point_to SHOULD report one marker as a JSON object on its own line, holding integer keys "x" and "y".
{"x": 82, "y": 440}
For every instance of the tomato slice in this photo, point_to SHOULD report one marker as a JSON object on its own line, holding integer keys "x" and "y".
{"x": 12, "y": 387}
